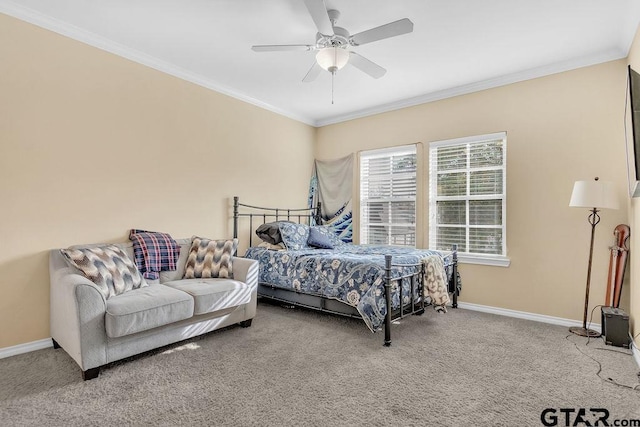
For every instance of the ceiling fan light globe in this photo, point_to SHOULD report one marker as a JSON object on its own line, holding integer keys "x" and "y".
{"x": 332, "y": 58}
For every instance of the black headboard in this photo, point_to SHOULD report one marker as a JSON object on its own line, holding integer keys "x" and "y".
{"x": 259, "y": 215}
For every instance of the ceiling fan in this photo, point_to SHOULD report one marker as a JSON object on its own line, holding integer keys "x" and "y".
{"x": 333, "y": 43}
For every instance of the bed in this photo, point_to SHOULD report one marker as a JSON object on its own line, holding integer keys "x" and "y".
{"x": 316, "y": 270}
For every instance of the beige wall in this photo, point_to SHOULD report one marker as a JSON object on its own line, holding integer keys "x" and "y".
{"x": 634, "y": 218}
{"x": 560, "y": 129}
{"x": 92, "y": 145}
{"x": 74, "y": 120}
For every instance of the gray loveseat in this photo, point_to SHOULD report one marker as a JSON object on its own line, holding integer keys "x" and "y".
{"x": 96, "y": 331}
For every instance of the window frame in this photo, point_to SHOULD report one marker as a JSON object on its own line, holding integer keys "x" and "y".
{"x": 411, "y": 149}
{"x": 500, "y": 260}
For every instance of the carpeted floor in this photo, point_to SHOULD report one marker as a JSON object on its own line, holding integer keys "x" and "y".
{"x": 296, "y": 367}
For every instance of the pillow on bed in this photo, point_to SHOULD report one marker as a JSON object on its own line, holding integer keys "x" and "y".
{"x": 318, "y": 239}
{"x": 294, "y": 236}
{"x": 330, "y": 233}
{"x": 270, "y": 232}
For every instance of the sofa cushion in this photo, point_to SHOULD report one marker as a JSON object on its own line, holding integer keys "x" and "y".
{"x": 108, "y": 267}
{"x": 213, "y": 294}
{"x": 146, "y": 308}
{"x": 210, "y": 258}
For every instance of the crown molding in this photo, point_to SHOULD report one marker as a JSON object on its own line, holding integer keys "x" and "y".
{"x": 478, "y": 86}
{"x": 44, "y": 21}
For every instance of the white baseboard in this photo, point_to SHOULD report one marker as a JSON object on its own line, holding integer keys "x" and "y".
{"x": 528, "y": 316}
{"x": 25, "y": 348}
{"x": 541, "y": 318}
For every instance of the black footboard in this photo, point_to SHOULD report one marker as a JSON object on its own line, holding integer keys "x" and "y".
{"x": 415, "y": 279}
{"x": 453, "y": 278}
{"x": 416, "y": 282}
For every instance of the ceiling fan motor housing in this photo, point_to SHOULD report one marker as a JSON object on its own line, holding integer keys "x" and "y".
{"x": 340, "y": 38}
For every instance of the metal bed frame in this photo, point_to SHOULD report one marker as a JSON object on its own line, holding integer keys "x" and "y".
{"x": 320, "y": 303}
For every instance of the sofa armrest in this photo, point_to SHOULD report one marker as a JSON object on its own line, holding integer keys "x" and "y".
{"x": 77, "y": 310}
{"x": 246, "y": 270}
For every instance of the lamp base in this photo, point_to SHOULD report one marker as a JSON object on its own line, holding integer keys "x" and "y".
{"x": 584, "y": 332}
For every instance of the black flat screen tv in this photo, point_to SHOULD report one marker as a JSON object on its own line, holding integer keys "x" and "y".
{"x": 632, "y": 132}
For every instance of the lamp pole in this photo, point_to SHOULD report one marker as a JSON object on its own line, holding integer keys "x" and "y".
{"x": 594, "y": 219}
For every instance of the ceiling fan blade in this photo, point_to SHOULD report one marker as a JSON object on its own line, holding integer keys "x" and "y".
{"x": 392, "y": 29}
{"x": 313, "y": 72}
{"x": 318, "y": 12}
{"x": 280, "y": 47}
{"x": 366, "y": 66}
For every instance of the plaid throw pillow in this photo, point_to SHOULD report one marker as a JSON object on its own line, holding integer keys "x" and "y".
{"x": 154, "y": 252}
{"x": 108, "y": 267}
{"x": 210, "y": 258}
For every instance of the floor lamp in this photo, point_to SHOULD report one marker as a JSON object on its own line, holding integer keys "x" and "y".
{"x": 594, "y": 195}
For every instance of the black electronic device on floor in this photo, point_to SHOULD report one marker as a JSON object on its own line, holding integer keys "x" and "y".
{"x": 615, "y": 327}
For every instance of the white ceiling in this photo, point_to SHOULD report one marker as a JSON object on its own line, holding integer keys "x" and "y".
{"x": 457, "y": 46}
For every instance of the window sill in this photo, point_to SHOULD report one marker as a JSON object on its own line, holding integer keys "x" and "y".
{"x": 495, "y": 261}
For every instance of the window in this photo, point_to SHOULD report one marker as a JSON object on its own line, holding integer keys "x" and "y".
{"x": 388, "y": 196}
{"x": 467, "y": 197}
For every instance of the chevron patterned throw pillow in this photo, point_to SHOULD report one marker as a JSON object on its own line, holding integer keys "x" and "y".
{"x": 210, "y": 258}
{"x": 109, "y": 267}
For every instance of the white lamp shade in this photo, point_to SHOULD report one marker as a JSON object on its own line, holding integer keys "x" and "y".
{"x": 594, "y": 194}
{"x": 332, "y": 58}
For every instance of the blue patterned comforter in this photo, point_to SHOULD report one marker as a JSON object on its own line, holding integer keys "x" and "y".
{"x": 353, "y": 274}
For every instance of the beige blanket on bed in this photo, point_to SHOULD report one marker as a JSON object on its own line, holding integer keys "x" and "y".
{"x": 435, "y": 282}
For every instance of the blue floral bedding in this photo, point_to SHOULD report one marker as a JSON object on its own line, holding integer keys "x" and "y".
{"x": 353, "y": 274}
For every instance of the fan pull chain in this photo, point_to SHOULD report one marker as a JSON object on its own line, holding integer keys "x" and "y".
{"x": 333, "y": 75}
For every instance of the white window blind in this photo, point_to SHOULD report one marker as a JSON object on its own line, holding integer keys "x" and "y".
{"x": 388, "y": 196}
{"x": 467, "y": 195}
